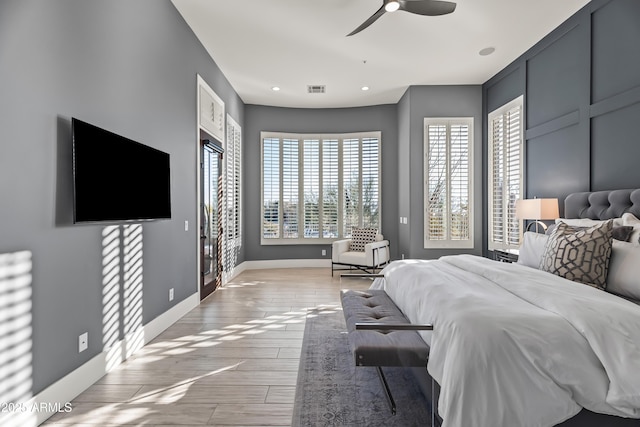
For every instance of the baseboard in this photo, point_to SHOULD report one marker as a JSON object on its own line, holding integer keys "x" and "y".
{"x": 284, "y": 263}
{"x": 54, "y": 398}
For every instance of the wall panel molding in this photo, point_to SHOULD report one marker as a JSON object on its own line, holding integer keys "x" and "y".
{"x": 553, "y": 125}
{"x": 616, "y": 102}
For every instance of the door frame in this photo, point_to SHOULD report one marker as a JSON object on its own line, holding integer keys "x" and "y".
{"x": 217, "y": 151}
{"x": 202, "y": 132}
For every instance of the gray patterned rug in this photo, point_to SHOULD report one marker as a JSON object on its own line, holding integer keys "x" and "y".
{"x": 331, "y": 391}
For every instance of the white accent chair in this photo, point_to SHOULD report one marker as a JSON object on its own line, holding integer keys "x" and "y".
{"x": 375, "y": 255}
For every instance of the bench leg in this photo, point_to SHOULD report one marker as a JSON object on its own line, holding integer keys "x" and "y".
{"x": 387, "y": 391}
{"x": 433, "y": 403}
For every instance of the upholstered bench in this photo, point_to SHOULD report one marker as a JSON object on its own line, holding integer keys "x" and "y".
{"x": 380, "y": 335}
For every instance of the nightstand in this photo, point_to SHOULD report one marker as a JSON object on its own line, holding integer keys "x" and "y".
{"x": 506, "y": 255}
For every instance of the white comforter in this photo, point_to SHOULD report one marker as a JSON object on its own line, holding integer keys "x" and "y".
{"x": 515, "y": 346}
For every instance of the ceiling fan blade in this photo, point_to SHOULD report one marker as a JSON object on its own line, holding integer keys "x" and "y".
{"x": 427, "y": 7}
{"x": 373, "y": 18}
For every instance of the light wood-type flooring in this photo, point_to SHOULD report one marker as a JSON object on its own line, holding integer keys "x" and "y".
{"x": 232, "y": 361}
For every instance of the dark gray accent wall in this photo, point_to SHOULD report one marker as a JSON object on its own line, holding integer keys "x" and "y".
{"x": 298, "y": 120}
{"x": 129, "y": 67}
{"x": 582, "y": 102}
{"x": 433, "y": 101}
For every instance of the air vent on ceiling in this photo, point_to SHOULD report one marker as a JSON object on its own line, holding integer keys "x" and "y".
{"x": 316, "y": 89}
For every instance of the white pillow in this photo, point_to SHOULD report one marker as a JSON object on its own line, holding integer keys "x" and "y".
{"x": 532, "y": 249}
{"x": 630, "y": 219}
{"x": 624, "y": 270}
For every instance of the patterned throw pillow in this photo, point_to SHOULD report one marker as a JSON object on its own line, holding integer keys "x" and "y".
{"x": 360, "y": 237}
{"x": 579, "y": 255}
{"x": 620, "y": 232}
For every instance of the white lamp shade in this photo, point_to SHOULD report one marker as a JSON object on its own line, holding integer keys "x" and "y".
{"x": 537, "y": 209}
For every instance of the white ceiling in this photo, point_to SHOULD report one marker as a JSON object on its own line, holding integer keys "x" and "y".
{"x": 259, "y": 44}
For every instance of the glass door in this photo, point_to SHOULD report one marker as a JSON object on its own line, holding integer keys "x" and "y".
{"x": 210, "y": 217}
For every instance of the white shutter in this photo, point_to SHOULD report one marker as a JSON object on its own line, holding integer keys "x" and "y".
{"x": 330, "y": 188}
{"x": 271, "y": 188}
{"x": 316, "y": 188}
{"x": 460, "y": 183}
{"x": 436, "y": 227}
{"x": 290, "y": 185}
{"x": 351, "y": 185}
{"x": 232, "y": 239}
{"x": 370, "y": 182}
{"x": 211, "y": 111}
{"x": 311, "y": 172}
{"x": 448, "y": 187}
{"x": 506, "y": 129}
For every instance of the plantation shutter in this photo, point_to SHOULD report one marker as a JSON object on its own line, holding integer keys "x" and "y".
{"x": 505, "y": 179}
{"x": 232, "y": 240}
{"x": 311, "y": 171}
{"x": 330, "y": 188}
{"x": 290, "y": 186}
{"x": 448, "y": 185}
{"x": 271, "y": 188}
{"x": 318, "y": 187}
{"x": 370, "y": 182}
{"x": 351, "y": 185}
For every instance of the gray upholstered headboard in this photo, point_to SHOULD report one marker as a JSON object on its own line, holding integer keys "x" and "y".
{"x": 602, "y": 204}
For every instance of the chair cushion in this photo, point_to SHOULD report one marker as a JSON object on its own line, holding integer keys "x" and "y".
{"x": 362, "y": 236}
{"x": 355, "y": 258}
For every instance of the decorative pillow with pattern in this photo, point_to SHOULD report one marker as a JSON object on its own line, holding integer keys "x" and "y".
{"x": 620, "y": 232}
{"x": 580, "y": 255}
{"x": 360, "y": 237}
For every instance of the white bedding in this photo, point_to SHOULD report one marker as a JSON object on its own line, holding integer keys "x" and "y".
{"x": 515, "y": 346}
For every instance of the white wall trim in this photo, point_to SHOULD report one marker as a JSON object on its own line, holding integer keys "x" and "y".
{"x": 283, "y": 263}
{"x": 71, "y": 385}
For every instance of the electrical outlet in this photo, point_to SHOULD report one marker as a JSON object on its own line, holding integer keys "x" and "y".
{"x": 171, "y": 294}
{"x": 324, "y": 252}
{"x": 83, "y": 342}
{"x": 186, "y": 226}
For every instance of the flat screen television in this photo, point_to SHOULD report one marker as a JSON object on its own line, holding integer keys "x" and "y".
{"x": 117, "y": 179}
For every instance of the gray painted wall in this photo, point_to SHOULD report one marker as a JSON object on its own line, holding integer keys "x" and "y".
{"x": 341, "y": 120}
{"x": 582, "y": 101}
{"x": 433, "y": 101}
{"x": 129, "y": 67}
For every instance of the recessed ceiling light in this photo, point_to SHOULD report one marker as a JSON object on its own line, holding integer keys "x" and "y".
{"x": 275, "y": 88}
{"x": 487, "y": 51}
{"x": 365, "y": 88}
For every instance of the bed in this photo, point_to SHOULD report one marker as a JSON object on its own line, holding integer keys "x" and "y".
{"x": 516, "y": 345}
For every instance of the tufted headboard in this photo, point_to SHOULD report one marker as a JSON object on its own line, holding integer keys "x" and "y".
{"x": 602, "y": 204}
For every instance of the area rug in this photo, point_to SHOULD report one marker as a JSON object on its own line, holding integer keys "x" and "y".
{"x": 331, "y": 391}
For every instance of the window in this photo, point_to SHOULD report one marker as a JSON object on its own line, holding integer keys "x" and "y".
{"x": 506, "y": 129}
{"x": 316, "y": 188}
{"x": 448, "y": 189}
{"x": 232, "y": 230}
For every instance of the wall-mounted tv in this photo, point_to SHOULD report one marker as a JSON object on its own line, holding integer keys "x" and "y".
{"x": 117, "y": 179}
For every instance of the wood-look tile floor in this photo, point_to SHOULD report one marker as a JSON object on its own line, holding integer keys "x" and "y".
{"x": 231, "y": 361}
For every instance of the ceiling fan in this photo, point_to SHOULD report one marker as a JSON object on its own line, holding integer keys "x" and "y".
{"x": 419, "y": 7}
